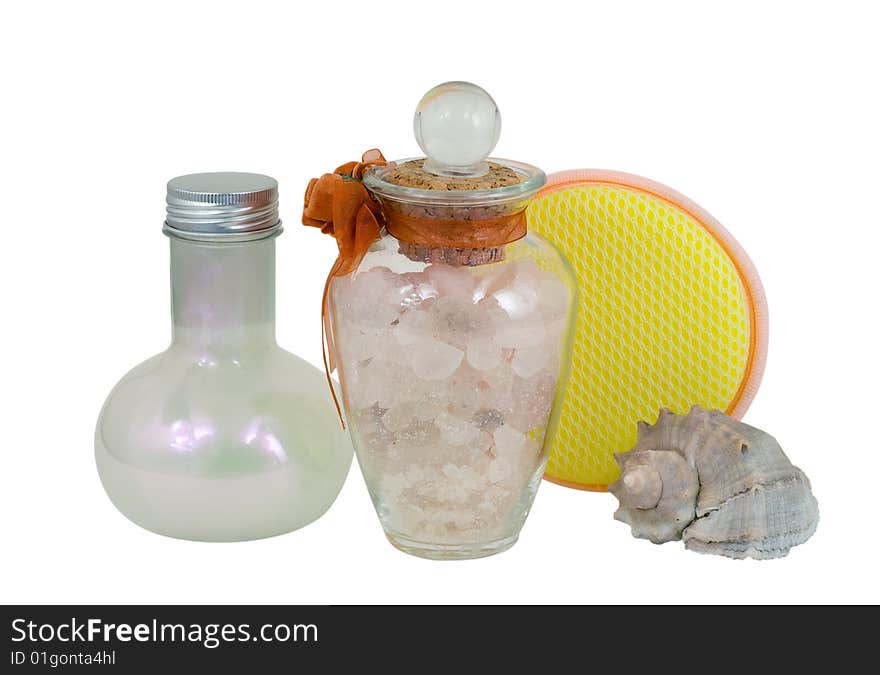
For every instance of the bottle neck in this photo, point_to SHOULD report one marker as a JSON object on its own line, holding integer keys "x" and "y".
{"x": 222, "y": 296}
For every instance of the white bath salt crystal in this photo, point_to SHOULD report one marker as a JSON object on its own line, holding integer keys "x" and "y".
{"x": 373, "y": 284}
{"x": 356, "y": 347}
{"x": 415, "y": 288}
{"x": 483, "y": 354}
{"x": 498, "y": 492}
{"x": 457, "y": 431}
{"x": 343, "y": 294}
{"x": 420, "y": 435}
{"x": 470, "y": 479}
{"x": 476, "y": 478}
{"x": 379, "y": 383}
{"x": 451, "y": 486}
{"x": 375, "y": 345}
{"x": 400, "y": 416}
{"x": 372, "y": 444}
{"x": 417, "y": 475}
{"x": 508, "y": 442}
{"x": 412, "y": 389}
{"x": 527, "y": 417}
{"x": 440, "y": 521}
{"x": 382, "y": 443}
{"x": 528, "y": 268}
{"x": 436, "y": 522}
{"x": 374, "y": 317}
{"x": 458, "y": 495}
{"x": 489, "y": 307}
{"x": 500, "y": 378}
{"x": 500, "y": 470}
{"x": 458, "y": 320}
{"x": 501, "y": 402}
{"x": 529, "y": 361}
{"x": 428, "y": 406}
{"x": 553, "y": 296}
{"x": 493, "y": 279}
{"x": 412, "y": 325}
{"x": 517, "y": 334}
{"x": 364, "y": 389}
{"x": 379, "y": 346}
{"x": 463, "y": 519}
{"x": 485, "y": 444}
{"x": 517, "y": 290}
{"x": 536, "y": 391}
{"x": 392, "y": 484}
{"x": 390, "y": 289}
{"x": 445, "y": 491}
{"x": 435, "y": 360}
{"x": 393, "y": 354}
{"x": 450, "y": 281}
{"x": 553, "y": 364}
{"x": 370, "y": 296}
{"x": 407, "y": 518}
{"x": 464, "y": 396}
{"x": 451, "y": 471}
{"x": 488, "y": 419}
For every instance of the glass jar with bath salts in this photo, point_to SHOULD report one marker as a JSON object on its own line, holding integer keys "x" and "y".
{"x": 451, "y": 337}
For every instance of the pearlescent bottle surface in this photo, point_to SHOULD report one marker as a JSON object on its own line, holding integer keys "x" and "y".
{"x": 224, "y": 436}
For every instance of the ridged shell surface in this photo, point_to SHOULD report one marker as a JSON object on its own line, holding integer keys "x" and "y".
{"x": 722, "y": 486}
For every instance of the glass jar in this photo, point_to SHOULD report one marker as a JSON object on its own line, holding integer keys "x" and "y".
{"x": 224, "y": 436}
{"x": 451, "y": 358}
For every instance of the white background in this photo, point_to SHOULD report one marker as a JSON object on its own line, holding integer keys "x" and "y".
{"x": 765, "y": 113}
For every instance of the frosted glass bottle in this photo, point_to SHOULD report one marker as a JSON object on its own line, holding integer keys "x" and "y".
{"x": 224, "y": 436}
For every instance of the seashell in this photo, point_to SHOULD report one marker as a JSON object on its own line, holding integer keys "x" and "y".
{"x": 719, "y": 485}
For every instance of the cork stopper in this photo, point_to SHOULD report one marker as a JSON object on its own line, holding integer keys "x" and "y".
{"x": 414, "y": 174}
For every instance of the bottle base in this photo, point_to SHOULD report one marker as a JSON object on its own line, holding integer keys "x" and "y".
{"x": 228, "y": 509}
{"x": 423, "y": 549}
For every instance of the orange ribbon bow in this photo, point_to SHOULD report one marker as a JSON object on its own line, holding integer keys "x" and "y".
{"x": 339, "y": 204}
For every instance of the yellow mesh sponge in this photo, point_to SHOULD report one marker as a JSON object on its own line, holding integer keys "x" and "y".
{"x": 671, "y": 313}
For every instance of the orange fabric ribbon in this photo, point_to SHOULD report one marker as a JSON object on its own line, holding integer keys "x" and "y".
{"x": 451, "y": 233}
{"x": 339, "y": 204}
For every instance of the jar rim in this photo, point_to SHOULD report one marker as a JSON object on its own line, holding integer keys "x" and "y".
{"x": 534, "y": 180}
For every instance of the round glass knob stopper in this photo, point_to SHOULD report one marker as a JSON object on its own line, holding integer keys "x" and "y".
{"x": 457, "y": 125}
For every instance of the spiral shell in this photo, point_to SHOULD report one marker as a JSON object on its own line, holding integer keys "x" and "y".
{"x": 719, "y": 485}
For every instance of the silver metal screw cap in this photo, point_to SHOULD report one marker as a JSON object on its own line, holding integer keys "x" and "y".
{"x": 222, "y": 207}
